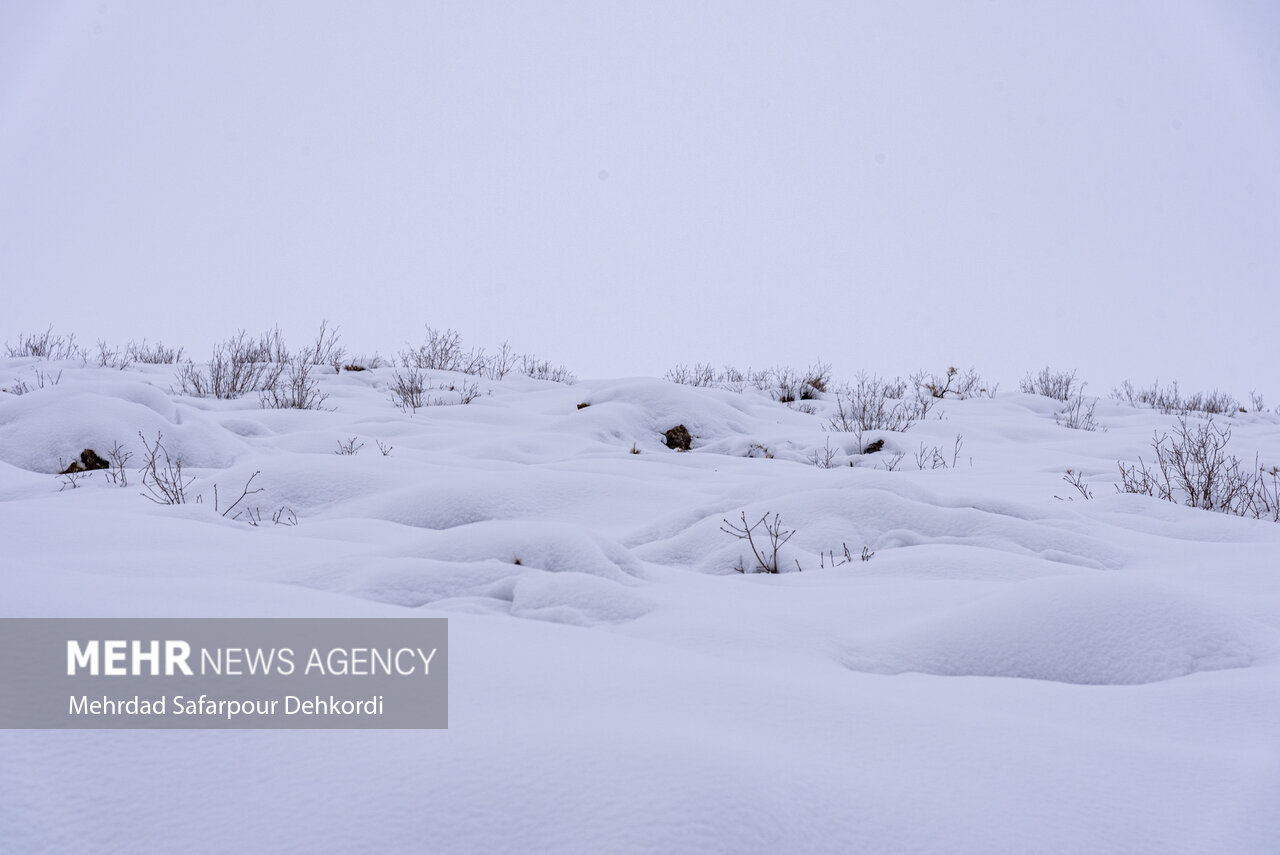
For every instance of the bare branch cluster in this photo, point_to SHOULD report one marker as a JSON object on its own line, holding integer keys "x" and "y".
{"x": 770, "y": 540}
{"x": 1077, "y": 414}
{"x": 46, "y": 345}
{"x": 934, "y": 458}
{"x": 1061, "y": 385}
{"x": 1193, "y": 468}
{"x": 1170, "y": 400}
{"x": 162, "y": 476}
{"x": 410, "y": 390}
{"x": 443, "y": 351}
{"x": 956, "y": 383}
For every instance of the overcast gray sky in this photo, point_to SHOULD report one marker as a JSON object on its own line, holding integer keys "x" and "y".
{"x": 621, "y": 186}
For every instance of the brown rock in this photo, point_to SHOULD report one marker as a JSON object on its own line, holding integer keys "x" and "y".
{"x": 679, "y": 439}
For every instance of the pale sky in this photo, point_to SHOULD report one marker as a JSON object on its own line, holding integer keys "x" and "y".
{"x": 623, "y": 186}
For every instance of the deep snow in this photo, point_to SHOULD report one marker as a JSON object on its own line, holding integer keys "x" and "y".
{"x": 1015, "y": 669}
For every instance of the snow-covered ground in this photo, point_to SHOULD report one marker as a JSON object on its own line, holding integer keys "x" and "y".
{"x": 1016, "y": 669}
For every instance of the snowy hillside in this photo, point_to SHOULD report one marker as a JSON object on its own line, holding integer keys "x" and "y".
{"x": 1014, "y": 667}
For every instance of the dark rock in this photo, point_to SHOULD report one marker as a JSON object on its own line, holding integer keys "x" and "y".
{"x": 679, "y": 439}
{"x": 89, "y": 460}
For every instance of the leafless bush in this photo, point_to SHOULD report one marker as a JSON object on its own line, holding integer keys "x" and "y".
{"x": 154, "y": 354}
{"x": 934, "y": 458}
{"x": 1193, "y": 468}
{"x": 161, "y": 475}
{"x": 71, "y": 479}
{"x": 384, "y": 448}
{"x": 46, "y": 345}
{"x": 1076, "y": 479}
{"x": 1052, "y": 384}
{"x": 243, "y": 493}
{"x": 363, "y": 362}
{"x": 43, "y": 379}
{"x": 295, "y": 389}
{"x": 409, "y": 389}
{"x": 1169, "y": 399}
{"x": 239, "y": 365}
{"x": 1077, "y": 414}
{"x": 1256, "y": 403}
{"x": 542, "y": 369}
{"x": 350, "y": 448}
{"x": 771, "y": 540}
{"x": 117, "y": 473}
{"x": 824, "y": 458}
{"x": 270, "y": 347}
{"x": 324, "y": 350}
{"x": 501, "y": 363}
{"x": 871, "y": 403}
{"x": 957, "y": 384}
{"x": 442, "y": 351}
{"x": 784, "y": 384}
{"x": 466, "y": 392}
{"x": 790, "y": 385}
{"x": 112, "y": 357}
{"x": 18, "y": 387}
{"x": 895, "y": 459}
{"x": 698, "y": 374}
{"x": 830, "y": 556}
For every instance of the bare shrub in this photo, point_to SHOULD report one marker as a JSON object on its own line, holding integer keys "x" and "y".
{"x": 542, "y": 369}
{"x": 824, "y": 458}
{"x": 935, "y": 458}
{"x": 117, "y": 473}
{"x": 112, "y": 357}
{"x": 1192, "y": 468}
{"x": 243, "y": 493}
{"x": 46, "y": 345}
{"x": 698, "y": 374}
{"x": 466, "y": 392}
{"x": 790, "y": 385}
{"x": 384, "y": 448}
{"x": 351, "y": 448}
{"x": 1076, "y": 479}
{"x": 871, "y": 403}
{"x": 830, "y": 557}
{"x": 957, "y": 384}
{"x": 442, "y": 351}
{"x": 1078, "y": 414}
{"x": 363, "y": 362}
{"x": 1169, "y": 399}
{"x": 154, "y": 354}
{"x": 325, "y": 349}
{"x": 162, "y": 475}
{"x": 1061, "y": 385}
{"x": 771, "y": 540}
{"x": 502, "y": 363}
{"x": 43, "y": 379}
{"x": 295, "y": 389}
{"x": 409, "y": 389}
{"x": 239, "y": 365}
{"x": 18, "y": 387}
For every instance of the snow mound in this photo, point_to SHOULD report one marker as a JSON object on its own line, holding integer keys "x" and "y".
{"x": 42, "y": 429}
{"x": 1095, "y": 630}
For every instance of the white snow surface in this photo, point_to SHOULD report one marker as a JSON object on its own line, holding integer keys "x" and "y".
{"x": 1016, "y": 669}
